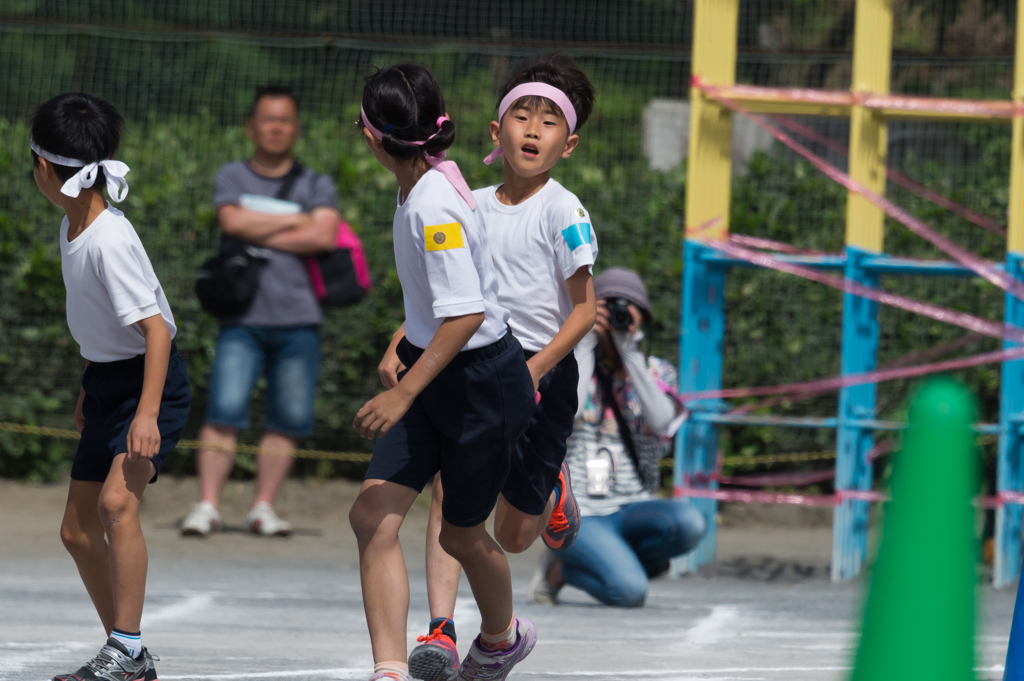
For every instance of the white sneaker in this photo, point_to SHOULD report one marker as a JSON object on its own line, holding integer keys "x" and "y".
{"x": 262, "y": 520}
{"x": 543, "y": 592}
{"x": 203, "y": 520}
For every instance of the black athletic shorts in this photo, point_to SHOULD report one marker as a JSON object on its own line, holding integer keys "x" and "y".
{"x": 539, "y": 453}
{"x": 464, "y": 424}
{"x": 112, "y": 393}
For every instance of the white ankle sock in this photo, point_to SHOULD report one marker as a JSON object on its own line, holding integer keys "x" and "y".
{"x": 398, "y": 670}
{"x": 502, "y": 641}
{"x": 133, "y": 642}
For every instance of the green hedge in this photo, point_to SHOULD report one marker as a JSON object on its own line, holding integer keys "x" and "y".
{"x": 779, "y": 328}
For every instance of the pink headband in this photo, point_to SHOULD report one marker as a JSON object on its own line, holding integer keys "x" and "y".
{"x": 537, "y": 90}
{"x": 447, "y": 168}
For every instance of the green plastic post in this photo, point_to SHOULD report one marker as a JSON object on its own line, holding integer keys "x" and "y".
{"x": 919, "y": 617}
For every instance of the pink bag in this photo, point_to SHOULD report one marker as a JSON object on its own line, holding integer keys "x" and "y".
{"x": 340, "y": 277}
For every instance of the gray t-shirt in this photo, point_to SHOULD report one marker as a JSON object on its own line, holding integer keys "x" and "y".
{"x": 285, "y": 295}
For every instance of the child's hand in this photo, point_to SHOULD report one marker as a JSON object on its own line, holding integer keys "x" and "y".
{"x": 143, "y": 438}
{"x": 381, "y": 413}
{"x": 389, "y": 368}
{"x": 79, "y": 414}
{"x": 535, "y": 374}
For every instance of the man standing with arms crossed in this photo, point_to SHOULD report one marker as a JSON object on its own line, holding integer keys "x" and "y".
{"x": 279, "y": 334}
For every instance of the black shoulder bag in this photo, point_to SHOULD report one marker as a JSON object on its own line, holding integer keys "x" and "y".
{"x": 226, "y": 283}
{"x": 604, "y": 378}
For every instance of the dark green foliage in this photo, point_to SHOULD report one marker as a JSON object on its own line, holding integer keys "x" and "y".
{"x": 184, "y": 94}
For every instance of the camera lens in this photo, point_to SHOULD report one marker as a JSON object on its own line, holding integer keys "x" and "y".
{"x": 619, "y": 315}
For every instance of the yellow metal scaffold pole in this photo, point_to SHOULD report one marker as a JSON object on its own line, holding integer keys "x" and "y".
{"x": 709, "y": 165}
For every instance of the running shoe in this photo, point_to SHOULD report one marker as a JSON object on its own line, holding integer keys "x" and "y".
{"x": 564, "y": 524}
{"x": 495, "y": 665}
{"x": 436, "y": 658}
{"x": 386, "y": 676}
{"x": 203, "y": 520}
{"x": 112, "y": 663}
{"x": 263, "y": 521}
{"x": 150, "y": 667}
{"x": 543, "y": 592}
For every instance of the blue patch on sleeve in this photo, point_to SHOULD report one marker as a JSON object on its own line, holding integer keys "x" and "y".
{"x": 577, "y": 235}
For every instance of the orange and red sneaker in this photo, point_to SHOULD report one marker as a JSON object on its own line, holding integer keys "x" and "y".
{"x": 436, "y": 658}
{"x": 564, "y": 524}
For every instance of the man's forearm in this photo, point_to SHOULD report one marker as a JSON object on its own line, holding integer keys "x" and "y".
{"x": 318, "y": 234}
{"x": 256, "y": 228}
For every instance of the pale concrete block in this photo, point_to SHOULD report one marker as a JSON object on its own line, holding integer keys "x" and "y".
{"x": 666, "y": 136}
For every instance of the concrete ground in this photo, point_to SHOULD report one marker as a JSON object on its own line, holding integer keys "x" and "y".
{"x": 234, "y": 606}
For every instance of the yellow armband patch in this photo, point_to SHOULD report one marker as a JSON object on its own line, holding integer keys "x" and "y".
{"x": 443, "y": 237}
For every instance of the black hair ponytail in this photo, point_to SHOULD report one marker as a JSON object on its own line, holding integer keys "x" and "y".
{"x": 405, "y": 103}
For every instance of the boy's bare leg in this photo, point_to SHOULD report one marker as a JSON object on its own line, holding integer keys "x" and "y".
{"x": 214, "y": 462}
{"x": 129, "y": 560}
{"x": 516, "y": 531}
{"x": 442, "y": 570}
{"x": 83, "y": 536}
{"x": 272, "y": 466}
{"x": 376, "y": 516}
{"x": 486, "y": 569}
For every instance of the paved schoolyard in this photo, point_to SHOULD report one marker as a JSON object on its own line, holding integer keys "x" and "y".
{"x": 237, "y": 607}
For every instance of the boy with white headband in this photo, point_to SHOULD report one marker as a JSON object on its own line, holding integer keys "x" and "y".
{"x": 135, "y": 395}
{"x": 543, "y": 249}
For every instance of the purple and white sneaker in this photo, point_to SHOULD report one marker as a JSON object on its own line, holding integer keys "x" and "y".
{"x": 486, "y": 665}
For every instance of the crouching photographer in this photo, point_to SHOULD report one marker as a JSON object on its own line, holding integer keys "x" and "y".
{"x": 624, "y": 427}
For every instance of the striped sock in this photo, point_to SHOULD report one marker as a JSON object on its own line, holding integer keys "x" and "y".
{"x": 133, "y": 642}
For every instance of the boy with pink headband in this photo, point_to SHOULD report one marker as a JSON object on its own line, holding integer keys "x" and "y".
{"x": 543, "y": 249}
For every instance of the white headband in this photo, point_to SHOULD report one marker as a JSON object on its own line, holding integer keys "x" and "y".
{"x": 117, "y": 186}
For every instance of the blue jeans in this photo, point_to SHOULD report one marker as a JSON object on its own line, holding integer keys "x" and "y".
{"x": 613, "y": 553}
{"x": 290, "y": 356}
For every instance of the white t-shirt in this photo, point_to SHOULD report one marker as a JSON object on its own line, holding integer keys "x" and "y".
{"x": 110, "y": 285}
{"x": 444, "y": 264}
{"x": 537, "y": 245}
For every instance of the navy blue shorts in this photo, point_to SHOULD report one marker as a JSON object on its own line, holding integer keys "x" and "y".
{"x": 539, "y": 453}
{"x": 112, "y": 392}
{"x": 464, "y": 424}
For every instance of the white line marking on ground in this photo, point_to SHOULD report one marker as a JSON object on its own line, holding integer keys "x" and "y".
{"x": 711, "y": 629}
{"x": 18, "y": 661}
{"x": 668, "y": 674}
{"x": 180, "y": 610}
{"x": 268, "y": 675}
{"x": 700, "y": 672}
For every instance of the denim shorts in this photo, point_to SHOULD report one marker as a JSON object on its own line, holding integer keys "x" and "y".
{"x": 290, "y": 358}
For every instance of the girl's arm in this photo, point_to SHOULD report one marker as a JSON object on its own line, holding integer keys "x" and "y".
{"x": 390, "y": 365}
{"x": 143, "y": 434}
{"x": 586, "y": 360}
{"x": 658, "y": 409}
{"x": 386, "y": 409}
{"x": 579, "y": 322}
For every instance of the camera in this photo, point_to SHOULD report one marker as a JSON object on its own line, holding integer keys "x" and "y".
{"x": 619, "y": 315}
